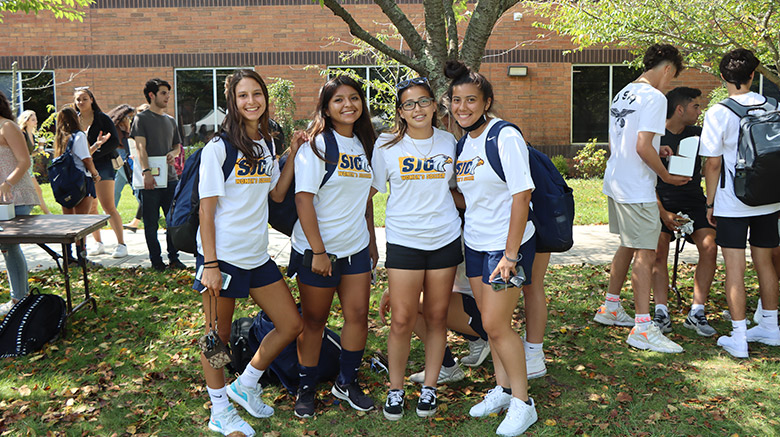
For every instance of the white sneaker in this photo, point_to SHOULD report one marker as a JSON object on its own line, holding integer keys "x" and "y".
{"x": 6, "y": 308}
{"x": 613, "y": 318}
{"x": 249, "y": 398}
{"x": 735, "y": 348}
{"x": 763, "y": 335}
{"x": 120, "y": 251}
{"x": 446, "y": 374}
{"x": 98, "y": 249}
{"x": 478, "y": 350}
{"x": 519, "y": 418}
{"x": 758, "y": 315}
{"x": 228, "y": 421}
{"x": 495, "y": 401}
{"x": 653, "y": 339}
{"x": 534, "y": 364}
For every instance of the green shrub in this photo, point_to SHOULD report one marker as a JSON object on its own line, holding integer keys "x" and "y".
{"x": 590, "y": 161}
{"x": 561, "y": 164}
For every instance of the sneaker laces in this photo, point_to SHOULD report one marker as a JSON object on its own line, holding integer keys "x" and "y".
{"x": 230, "y": 416}
{"x": 395, "y": 397}
{"x": 428, "y": 395}
{"x": 492, "y": 395}
{"x": 701, "y": 318}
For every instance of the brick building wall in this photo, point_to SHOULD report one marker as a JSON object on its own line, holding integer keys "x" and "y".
{"x": 122, "y": 43}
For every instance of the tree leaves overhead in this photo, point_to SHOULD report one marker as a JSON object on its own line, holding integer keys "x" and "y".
{"x": 703, "y": 29}
{"x": 68, "y": 9}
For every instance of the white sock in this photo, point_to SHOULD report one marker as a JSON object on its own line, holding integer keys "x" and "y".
{"x": 612, "y": 302}
{"x": 769, "y": 319}
{"x": 759, "y": 307}
{"x": 533, "y": 347}
{"x": 739, "y": 329}
{"x": 219, "y": 399}
{"x": 662, "y": 307}
{"x": 696, "y": 307}
{"x": 250, "y": 376}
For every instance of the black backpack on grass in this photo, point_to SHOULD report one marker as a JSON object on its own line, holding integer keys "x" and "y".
{"x": 240, "y": 330}
{"x": 31, "y": 323}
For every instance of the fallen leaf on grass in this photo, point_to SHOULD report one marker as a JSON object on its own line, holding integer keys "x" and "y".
{"x": 624, "y": 397}
{"x": 550, "y": 422}
{"x": 24, "y": 390}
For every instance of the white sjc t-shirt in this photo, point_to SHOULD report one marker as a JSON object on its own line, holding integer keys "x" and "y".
{"x": 638, "y": 107}
{"x": 420, "y": 212}
{"x": 341, "y": 203}
{"x": 241, "y": 217}
{"x": 719, "y": 137}
{"x": 488, "y": 198}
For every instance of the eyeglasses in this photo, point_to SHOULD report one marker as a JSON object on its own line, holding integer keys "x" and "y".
{"x": 413, "y": 81}
{"x": 80, "y": 88}
{"x": 409, "y": 105}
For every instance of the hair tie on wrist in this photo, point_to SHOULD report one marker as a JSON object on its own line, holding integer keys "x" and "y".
{"x": 210, "y": 262}
{"x": 210, "y": 267}
{"x": 513, "y": 260}
{"x": 319, "y": 253}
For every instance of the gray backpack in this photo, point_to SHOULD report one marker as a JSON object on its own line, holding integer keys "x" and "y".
{"x": 757, "y": 173}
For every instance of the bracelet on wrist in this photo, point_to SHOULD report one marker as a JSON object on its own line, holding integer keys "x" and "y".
{"x": 210, "y": 262}
{"x": 512, "y": 260}
{"x": 8, "y": 182}
{"x": 319, "y": 253}
{"x": 210, "y": 267}
{"x": 145, "y": 170}
{"x": 710, "y": 205}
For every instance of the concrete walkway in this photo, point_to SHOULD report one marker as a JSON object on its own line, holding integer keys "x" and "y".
{"x": 592, "y": 245}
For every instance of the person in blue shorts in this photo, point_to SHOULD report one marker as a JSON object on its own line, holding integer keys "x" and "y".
{"x": 233, "y": 240}
{"x": 333, "y": 242}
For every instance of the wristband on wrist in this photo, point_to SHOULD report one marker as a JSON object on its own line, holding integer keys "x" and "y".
{"x": 145, "y": 170}
{"x": 710, "y": 205}
{"x": 318, "y": 253}
{"x": 210, "y": 262}
{"x": 513, "y": 260}
{"x": 210, "y": 267}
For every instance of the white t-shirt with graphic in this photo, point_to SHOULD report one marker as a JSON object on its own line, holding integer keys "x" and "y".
{"x": 639, "y": 107}
{"x": 488, "y": 198}
{"x": 341, "y": 203}
{"x": 420, "y": 212}
{"x": 719, "y": 137}
{"x": 241, "y": 217}
{"x": 80, "y": 151}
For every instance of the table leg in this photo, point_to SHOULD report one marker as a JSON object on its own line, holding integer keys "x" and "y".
{"x": 66, "y": 274}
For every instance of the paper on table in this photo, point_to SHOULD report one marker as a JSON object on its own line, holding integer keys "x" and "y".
{"x": 159, "y": 167}
{"x": 683, "y": 163}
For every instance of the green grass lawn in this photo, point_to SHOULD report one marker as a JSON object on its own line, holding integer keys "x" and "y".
{"x": 132, "y": 369}
{"x": 127, "y": 205}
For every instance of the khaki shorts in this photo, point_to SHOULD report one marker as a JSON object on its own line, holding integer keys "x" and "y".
{"x": 637, "y": 224}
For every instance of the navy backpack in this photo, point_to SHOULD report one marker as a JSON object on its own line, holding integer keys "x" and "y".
{"x": 283, "y": 215}
{"x": 68, "y": 182}
{"x": 183, "y": 219}
{"x": 31, "y": 323}
{"x": 553, "y": 201}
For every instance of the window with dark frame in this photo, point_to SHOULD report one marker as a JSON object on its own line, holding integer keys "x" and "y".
{"x": 593, "y": 87}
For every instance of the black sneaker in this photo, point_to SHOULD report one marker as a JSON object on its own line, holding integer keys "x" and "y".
{"x": 662, "y": 321}
{"x": 177, "y": 265}
{"x": 304, "y": 402}
{"x": 353, "y": 394}
{"x": 698, "y": 322}
{"x": 394, "y": 405}
{"x": 159, "y": 267}
{"x": 427, "y": 405}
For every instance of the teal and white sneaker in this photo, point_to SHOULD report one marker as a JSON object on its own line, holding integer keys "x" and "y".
{"x": 228, "y": 421}
{"x": 249, "y": 398}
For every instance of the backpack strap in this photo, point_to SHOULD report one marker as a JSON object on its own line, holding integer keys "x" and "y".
{"x": 331, "y": 154}
{"x": 231, "y": 156}
{"x": 770, "y": 104}
{"x": 491, "y": 147}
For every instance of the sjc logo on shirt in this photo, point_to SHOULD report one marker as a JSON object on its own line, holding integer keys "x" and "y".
{"x": 413, "y": 167}
{"x": 257, "y": 174}
{"x": 464, "y": 170}
{"x": 354, "y": 166}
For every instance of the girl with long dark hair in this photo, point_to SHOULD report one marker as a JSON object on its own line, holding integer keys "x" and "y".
{"x": 99, "y": 127}
{"x": 28, "y": 122}
{"x": 499, "y": 239}
{"x": 334, "y": 248}
{"x": 233, "y": 240}
{"x": 423, "y": 236}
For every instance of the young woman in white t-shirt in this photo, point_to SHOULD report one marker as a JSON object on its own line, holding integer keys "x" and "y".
{"x": 423, "y": 236}
{"x": 333, "y": 243}
{"x": 499, "y": 240}
{"x": 68, "y": 126}
{"x": 233, "y": 239}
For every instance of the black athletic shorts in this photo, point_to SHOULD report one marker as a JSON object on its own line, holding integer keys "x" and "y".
{"x": 732, "y": 232}
{"x": 406, "y": 258}
{"x": 697, "y": 211}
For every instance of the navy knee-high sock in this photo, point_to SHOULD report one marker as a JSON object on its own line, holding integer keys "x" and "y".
{"x": 448, "y": 360}
{"x": 308, "y": 376}
{"x": 468, "y": 336}
{"x": 349, "y": 362}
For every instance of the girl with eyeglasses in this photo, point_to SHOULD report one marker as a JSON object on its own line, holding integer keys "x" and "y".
{"x": 499, "y": 240}
{"x": 423, "y": 236}
{"x": 333, "y": 242}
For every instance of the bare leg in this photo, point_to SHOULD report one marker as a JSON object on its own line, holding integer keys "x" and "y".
{"x": 767, "y": 277}
{"x": 641, "y": 275}
{"x": 215, "y": 378}
{"x": 405, "y": 287}
{"x": 620, "y": 264}
{"x": 735, "y": 281}
{"x": 315, "y": 307}
{"x": 438, "y": 288}
{"x": 277, "y": 302}
{"x": 705, "y": 268}
{"x": 105, "y": 194}
{"x": 661, "y": 270}
{"x": 535, "y": 301}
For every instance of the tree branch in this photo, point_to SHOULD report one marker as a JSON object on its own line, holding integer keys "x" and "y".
{"x": 404, "y": 26}
{"x": 359, "y": 32}
{"x": 436, "y": 35}
{"x": 485, "y": 15}
{"x": 452, "y": 29}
